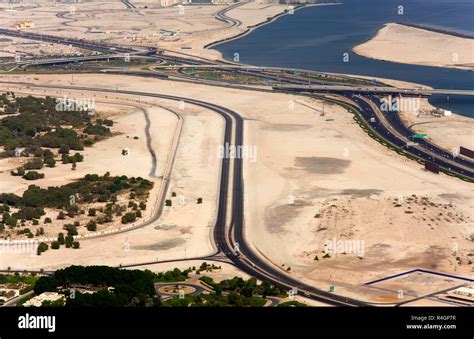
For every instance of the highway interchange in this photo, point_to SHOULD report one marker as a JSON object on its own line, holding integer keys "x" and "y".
{"x": 229, "y": 230}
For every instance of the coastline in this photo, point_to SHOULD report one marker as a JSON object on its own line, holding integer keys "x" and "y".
{"x": 348, "y": 74}
{"x": 437, "y": 138}
{"x": 251, "y": 28}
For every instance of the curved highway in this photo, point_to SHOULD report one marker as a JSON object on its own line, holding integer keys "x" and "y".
{"x": 221, "y": 15}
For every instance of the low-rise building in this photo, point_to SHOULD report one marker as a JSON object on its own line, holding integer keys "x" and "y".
{"x": 25, "y": 25}
{"x": 465, "y": 293}
{"x": 46, "y": 296}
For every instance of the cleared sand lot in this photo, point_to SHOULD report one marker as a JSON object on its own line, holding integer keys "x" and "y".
{"x": 332, "y": 182}
{"x": 410, "y": 45}
{"x": 316, "y": 178}
{"x": 449, "y": 132}
{"x": 26, "y": 48}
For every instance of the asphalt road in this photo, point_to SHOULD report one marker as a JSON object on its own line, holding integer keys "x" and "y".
{"x": 221, "y": 15}
{"x": 425, "y": 150}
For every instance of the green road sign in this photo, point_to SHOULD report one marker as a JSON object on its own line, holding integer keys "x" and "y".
{"x": 419, "y": 136}
{"x": 331, "y": 288}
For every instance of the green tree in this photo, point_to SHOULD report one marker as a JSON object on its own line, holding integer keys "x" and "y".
{"x": 61, "y": 239}
{"x": 42, "y": 247}
{"x": 50, "y": 162}
{"x": 91, "y": 226}
{"x": 33, "y": 175}
{"x": 128, "y": 218}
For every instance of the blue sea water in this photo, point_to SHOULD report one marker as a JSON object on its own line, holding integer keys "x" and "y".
{"x": 316, "y": 38}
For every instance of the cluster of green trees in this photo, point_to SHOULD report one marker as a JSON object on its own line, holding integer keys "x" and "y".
{"x": 172, "y": 276}
{"x": 130, "y": 217}
{"x": 7, "y": 98}
{"x": 13, "y": 280}
{"x": 121, "y": 287}
{"x": 231, "y": 299}
{"x": 106, "y": 122}
{"x": 233, "y": 292}
{"x": 92, "y": 188}
{"x": 72, "y": 159}
{"x": 29, "y": 213}
{"x": 61, "y": 137}
{"x": 117, "y": 287}
{"x": 68, "y": 240}
{"x": 207, "y": 267}
{"x": 38, "y": 123}
{"x": 41, "y": 158}
{"x": 26, "y": 231}
{"x": 33, "y": 175}
{"x": 97, "y": 129}
{"x": 247, "y": 288}
{"x": 22, "y": 215}
{"x": 34, "y": 164}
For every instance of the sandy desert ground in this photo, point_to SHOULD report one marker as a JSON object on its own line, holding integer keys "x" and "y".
{"x": 27, "y": 48}
{"x": 329, "y": 182}
{"x": 332, "y": 182}
{"x": 449, "y": 132}
{"x": 410, "y": 45}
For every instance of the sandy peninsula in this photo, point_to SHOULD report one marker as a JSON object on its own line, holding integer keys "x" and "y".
{"x": 410, "y": 45}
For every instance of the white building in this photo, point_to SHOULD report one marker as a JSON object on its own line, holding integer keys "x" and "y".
{"x": 219, "y": 2}
{"x": 46, "y": 296}
{"x": 465, "y": 291}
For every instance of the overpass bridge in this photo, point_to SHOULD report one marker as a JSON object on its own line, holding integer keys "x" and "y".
{"x": 80, "y": 43}
{"x": 371, "y": 89}
{"x": 72, "y": 60}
